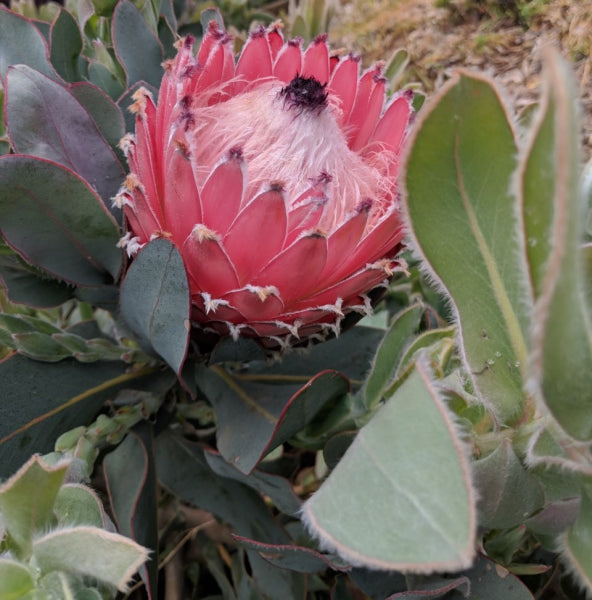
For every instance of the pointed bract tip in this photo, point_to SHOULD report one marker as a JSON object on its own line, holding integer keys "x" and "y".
{"x": 201, "y": 233}
{"x": 321, "y": 39}
{"x": 258, "y": 32}
{"x": 188, "y": 42}
{"x": 263, "y": 293}
{"x": 132, "y": 182}
{"x": 126, "y": 143}
{"x": 138, "y": 106}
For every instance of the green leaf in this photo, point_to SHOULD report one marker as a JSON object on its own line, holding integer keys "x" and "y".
{"x": 57, "y": 222}
{"x": 295, "y": 558}
{"x": 350, "y": 354}
{"x": 25, "y": 285}
{"x": 41, "y": 401}
{"x": 39, "y": 346}
{"x": 137, "y": 47}
{"x": 65, "y": 46}
{"x": 255, "y": 418}
{"x": 389, "y": 353}
{"x": 155, "y": 301}
{"x": 211, "y": 14}
{"x": 278, "y": 489}
{"x": 577, "y": 543}
{"x": 90, "y": 551}
{"x": 77, "y": 504}
{"x": 396, "y": 65}
{"x": 26, "y": 501}
{"x": 464, "y": 223}
{"x": 409, "y": 449}
{"x": 21, "y": 43}
{"x": 64, "y": 586}
{"x": 562, "y": 340}
{"x": 103, "y": 111}
{"x": 508, "y": 493}
{"x": 490, "y": 581}
{"x": 45, "y": 120}
{"x": 182, "y": 468}
{"x": 15, "y": 579}
{"x": 104, "y": 79}
{"x": 131, "y": 484}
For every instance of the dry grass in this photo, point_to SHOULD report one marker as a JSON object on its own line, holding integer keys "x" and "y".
{"x": 440, "y": 39}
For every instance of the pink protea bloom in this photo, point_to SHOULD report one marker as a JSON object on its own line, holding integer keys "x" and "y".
{"x": 275, "y": 177}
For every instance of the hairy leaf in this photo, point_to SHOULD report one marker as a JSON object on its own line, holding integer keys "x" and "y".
{"x": 379, "y": 507}
{"x": 562, "y": 344}
{"x": 27, "y": 499}
{"x": 108, "y": 557}
{"x": 464, "y": 224}
{"x": 57, "y": 222}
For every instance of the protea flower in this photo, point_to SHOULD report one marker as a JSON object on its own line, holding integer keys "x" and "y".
{"x": 275, "y": 177}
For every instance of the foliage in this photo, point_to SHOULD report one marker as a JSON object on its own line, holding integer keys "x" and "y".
{"x": 57, "y": 541}
{"x": 446, "y": 437}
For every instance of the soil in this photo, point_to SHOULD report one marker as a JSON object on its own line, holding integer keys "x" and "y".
{"x": 441, "y": 35}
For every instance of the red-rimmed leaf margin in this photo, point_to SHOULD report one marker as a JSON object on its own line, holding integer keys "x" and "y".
{"x": 57, "y": 222}
{"x": 254, "y": 418}
{"x": 155, "y": 302}
{"x": 40, "y": 401}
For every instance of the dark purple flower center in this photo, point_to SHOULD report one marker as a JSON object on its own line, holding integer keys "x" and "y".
{"x": 305, "y": 94}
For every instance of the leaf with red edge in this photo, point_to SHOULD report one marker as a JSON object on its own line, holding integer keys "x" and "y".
{"x": 295, "y": 558}
{"x": 55, "y": 221}
{"x": 24, "y": 285}
{"x": 41, "y": 401}
{"x": 155, "y": 302}
{"x": 255, "y": 418}
{"x": 21, "y": 42}
{"x": 131, "y": 482}
{"x": 45, "y": 120}
{"x": 277, "y": 488}
{"x": 137, "y": 48}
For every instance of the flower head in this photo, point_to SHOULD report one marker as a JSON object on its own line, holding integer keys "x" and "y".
{"x": 275, "y": 177}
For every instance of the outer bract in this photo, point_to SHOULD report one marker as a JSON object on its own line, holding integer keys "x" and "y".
{"x": 276, "y": 178}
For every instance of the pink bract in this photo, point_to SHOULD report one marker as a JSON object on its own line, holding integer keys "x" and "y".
{"x": 276, "y": 179}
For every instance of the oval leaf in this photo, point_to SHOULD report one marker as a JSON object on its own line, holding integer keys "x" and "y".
{"x": 27, "y": 498}
{"x": 255, "y": 418}
{"x": 155, "y": 301}
{"x": 66, "y": 46}
{"x": 45, "y": 120}
{"x": 462, "y": 216}
{"x": 90, "y": 551}
{"x": 21, "y": 43}
{"x": 136, "y": 46}
{"x": 56, "y": 222}
{"x": 555, "y": 211}
{"x": 379, "y": 509}
{"x": 15, "y": 579}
